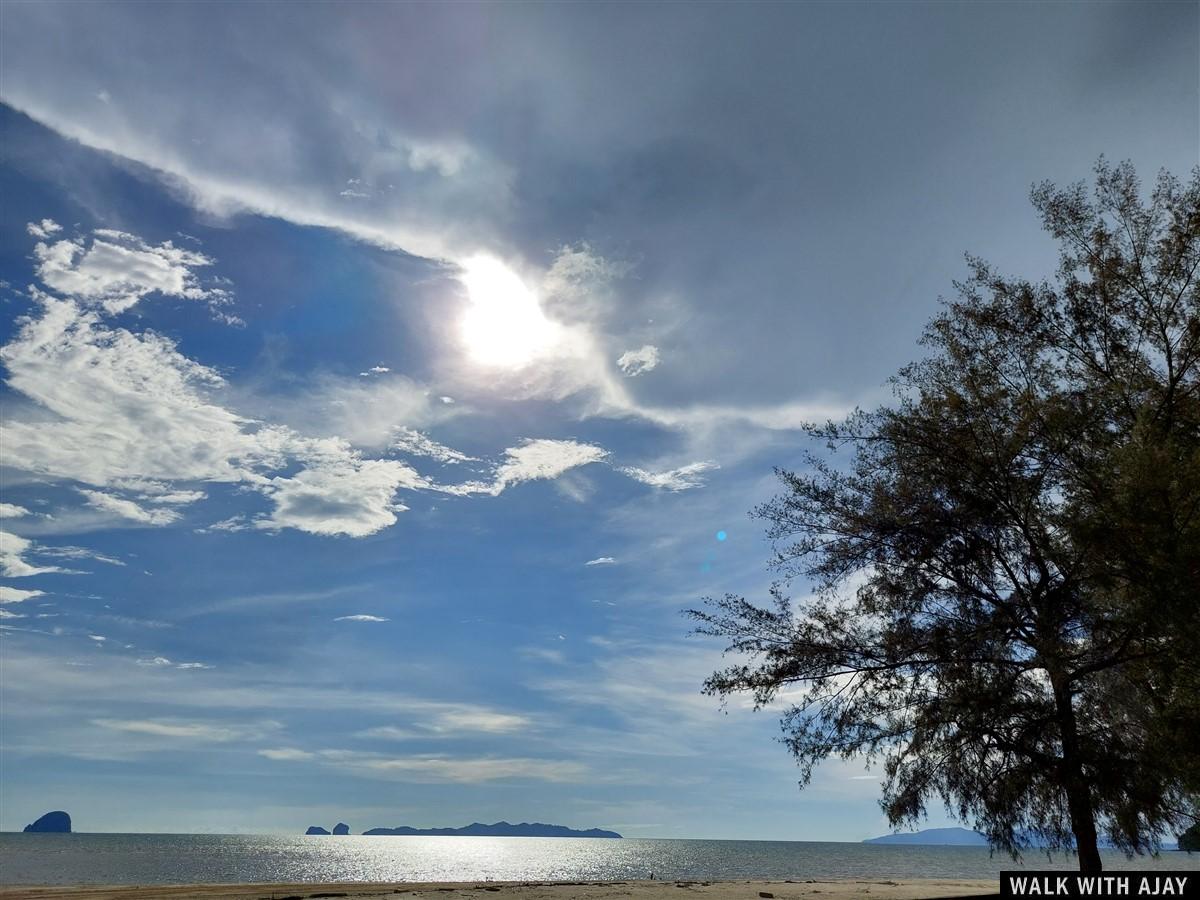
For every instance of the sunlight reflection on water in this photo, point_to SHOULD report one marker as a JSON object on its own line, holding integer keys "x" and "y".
{"x": 182, "y": 858}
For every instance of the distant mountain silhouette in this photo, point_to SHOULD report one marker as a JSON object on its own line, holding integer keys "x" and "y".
{"x": 960, "y": 837}
{"x": 500, "y": 829}
{"x": 316, "y": 829}
{"x": 57, "y": 822}
{"x": 341, "y": 828}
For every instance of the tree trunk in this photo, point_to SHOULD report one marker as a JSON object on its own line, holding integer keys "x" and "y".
{"x": 1083, "y": 825}
{"x": 1079, "y": 795}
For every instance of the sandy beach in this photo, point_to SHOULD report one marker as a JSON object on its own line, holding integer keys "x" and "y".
{"x": 878, "y": 889}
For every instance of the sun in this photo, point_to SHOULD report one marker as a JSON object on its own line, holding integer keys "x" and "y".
{"x": 504, "y": 325}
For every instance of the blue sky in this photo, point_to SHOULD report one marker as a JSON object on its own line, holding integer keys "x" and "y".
{"x": 378, "y": 378}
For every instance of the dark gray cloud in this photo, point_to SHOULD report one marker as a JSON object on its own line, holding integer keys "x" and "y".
{"x": 793, "y": 184}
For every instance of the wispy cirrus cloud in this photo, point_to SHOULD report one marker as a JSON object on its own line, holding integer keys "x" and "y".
{"x": 13, "y": 564}
{"x": 450, "y": 720}
{"x": 680, "y": 479}
{"x": 214, "y": 732}
{"x": 285, "y": 754}
{"x": 128, "y": 509}
{"x": 435, "y": 769}
{"x": 414, "y": 443}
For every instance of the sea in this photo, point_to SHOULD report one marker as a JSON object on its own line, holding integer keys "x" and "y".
{"x": 215, "y": 858}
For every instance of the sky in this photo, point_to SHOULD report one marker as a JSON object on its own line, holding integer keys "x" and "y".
{"x": 381, "y": 381}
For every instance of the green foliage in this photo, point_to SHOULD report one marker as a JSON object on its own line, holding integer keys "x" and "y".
{"x": 1007, "y": 565}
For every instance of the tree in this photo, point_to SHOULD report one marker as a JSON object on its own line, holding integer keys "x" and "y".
{"x": 1006, "y": 568}
{"x": 1190, "y": 839}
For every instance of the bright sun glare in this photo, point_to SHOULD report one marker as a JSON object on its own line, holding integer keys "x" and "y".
{"x": 504, "y": 325}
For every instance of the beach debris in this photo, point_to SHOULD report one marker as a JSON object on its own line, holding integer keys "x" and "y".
{"x": 766, "y": 894}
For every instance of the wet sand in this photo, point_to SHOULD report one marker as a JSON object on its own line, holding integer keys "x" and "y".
{"x": 876, "y": 889}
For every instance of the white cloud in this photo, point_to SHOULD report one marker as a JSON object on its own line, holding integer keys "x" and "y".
{"x": 447, "y": 158}
{"x": 12, "y": 549}
{"x": 177, "y": 498}
{"x": 414, "y": 443}
{"x": 129, "y": 410}
{"x": 680, "y": 479}
{"x": 390, "y": 733}
{"x": 361, "y": 617}
{"x": 454, "y": 719}
{"x": 117, "y": 270}
{"x": 470, "y": 719}
{"x": 445, "y": 191}
{"x": 7, "y": 614}
{"x": 233, "y": 523}
{"x": 285, "y": 753}
{"x": 17, "y": 595}
{"x": 122, "y": 406}
{"x": 601, "y": 561}
{"x": 338, "y": 492}
{"x": 575, "y": 486}
{"x": 43, "y": 229}
{"x": 450, "y": 199}
{"x": 638, "y": 362}
{"x": 65, "y": 552}
{"x": 463, "y": 770}
{"x": 576, "y": 275}
{"x": 774, "y": 417}
{"x": 533, "y": 460}
{"x": 98, "y": 638}
{"x": 193, "y": 665}
{"x": 654, "y": 696}
{"x": 365, "y": 412}
{"x": 159, "y": 492}
{"x": 156, "y": 661}
{"x": 123, "y": 411}
{"x": 12, "y": 511}
{"x": 127, "y": 509}
{"x": 174, "y": 728}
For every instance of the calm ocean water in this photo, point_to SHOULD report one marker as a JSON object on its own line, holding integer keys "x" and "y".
{"x": 182, "y": 858}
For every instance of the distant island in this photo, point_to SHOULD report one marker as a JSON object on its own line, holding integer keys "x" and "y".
{"x": 954, "y": 837}
{"x": 339, "y": 828}
{"x": 57, "y": 822}
{"x": 498, "y": 829}
{"x": 963, "y": 837}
